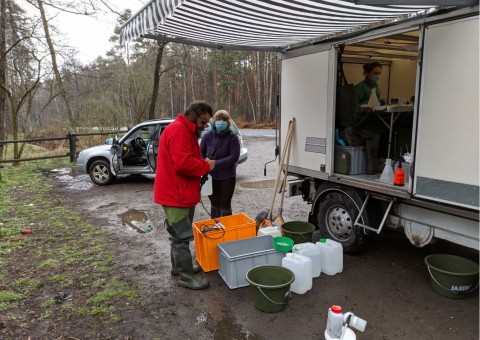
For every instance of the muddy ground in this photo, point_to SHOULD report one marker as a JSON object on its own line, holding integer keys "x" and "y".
{"x": 387, "y": 284}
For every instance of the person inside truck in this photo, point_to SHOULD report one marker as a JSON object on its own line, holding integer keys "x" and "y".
{"x": 363, "y": 90}
{"x": 367, "y": 128}
{"x": 369, "y": 125}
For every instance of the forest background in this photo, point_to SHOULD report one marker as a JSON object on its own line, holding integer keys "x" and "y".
{"x": 45, "y": 90}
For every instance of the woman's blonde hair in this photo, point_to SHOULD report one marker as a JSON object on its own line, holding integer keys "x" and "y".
{"x": 221, "y": 115}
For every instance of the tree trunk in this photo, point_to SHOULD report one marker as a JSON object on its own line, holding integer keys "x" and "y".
{"x": 156, "y": 79}
{"x": 3, "y": 71}
{"x": 58, "y": 76}
{"x": 171, "y": 98}
{"x": 184, "y": 82}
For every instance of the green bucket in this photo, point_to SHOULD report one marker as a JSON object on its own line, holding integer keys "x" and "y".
{"x": 270, "y": 287}
{"x": 298, "y": 231}
{"x": 452, "y": 276}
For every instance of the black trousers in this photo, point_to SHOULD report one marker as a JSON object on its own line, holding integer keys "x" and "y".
{"x": 222, "y": 193}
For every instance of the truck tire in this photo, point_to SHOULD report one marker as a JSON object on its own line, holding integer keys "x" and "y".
{"x": 100, "y": 173}
{"x": 336, "y": 217}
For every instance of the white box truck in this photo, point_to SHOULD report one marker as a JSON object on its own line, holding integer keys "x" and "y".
{"x": 430, "y": 65}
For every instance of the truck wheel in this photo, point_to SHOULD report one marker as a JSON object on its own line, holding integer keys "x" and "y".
{"x": 100, "y": 173}
{"x": 336, "y": 216}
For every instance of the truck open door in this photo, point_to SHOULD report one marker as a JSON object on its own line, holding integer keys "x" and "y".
{"x": 447, "y": 147}
{"x": 312, "y": 106}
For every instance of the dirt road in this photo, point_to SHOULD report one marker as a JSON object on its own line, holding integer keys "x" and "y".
{"x": 387, "y": 284}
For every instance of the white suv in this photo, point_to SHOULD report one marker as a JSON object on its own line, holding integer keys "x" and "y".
{"x": 133, "y": 154}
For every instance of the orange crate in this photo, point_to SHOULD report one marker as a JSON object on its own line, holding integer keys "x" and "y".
{"x": 236, "y": 227}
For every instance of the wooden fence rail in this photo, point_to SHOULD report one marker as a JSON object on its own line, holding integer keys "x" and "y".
{"x": 71, "y": 137}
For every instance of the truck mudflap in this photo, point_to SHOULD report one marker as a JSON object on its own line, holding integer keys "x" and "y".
{"x": 418, "y": 234}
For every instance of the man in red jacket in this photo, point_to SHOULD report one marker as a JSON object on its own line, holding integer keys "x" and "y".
{"x": 177, "y": 186}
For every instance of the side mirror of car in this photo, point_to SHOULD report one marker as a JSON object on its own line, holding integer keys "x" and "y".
{"x": 111, "y": 140}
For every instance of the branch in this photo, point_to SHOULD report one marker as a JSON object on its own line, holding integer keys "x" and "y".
{"x": 110, "y": 8}
{"x": 60, "y": 8}
{"x": 9, "y": 94}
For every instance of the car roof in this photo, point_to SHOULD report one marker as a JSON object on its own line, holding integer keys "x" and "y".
{"x": 167, "y": 120}
{"x": 164, "y": 121}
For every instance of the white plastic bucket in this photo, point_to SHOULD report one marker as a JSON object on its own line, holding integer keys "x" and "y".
{"x": 274, "y": 231}
{"x": 348, "y": 335}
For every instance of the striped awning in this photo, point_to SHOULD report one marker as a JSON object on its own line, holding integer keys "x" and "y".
{"x": 255, "y": 24}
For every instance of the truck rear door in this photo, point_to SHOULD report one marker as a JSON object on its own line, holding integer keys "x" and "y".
{"x": 306, "y": 95}
{"x": 447, "y": 147}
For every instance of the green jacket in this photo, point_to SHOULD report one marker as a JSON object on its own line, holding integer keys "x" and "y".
{"x": 364, "y": 90}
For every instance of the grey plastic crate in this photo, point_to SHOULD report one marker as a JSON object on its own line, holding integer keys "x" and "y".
{"x": 236, "y": 258}
{"x": 358, "y": 161}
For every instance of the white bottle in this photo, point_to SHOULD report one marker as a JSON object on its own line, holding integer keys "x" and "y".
{"x": 301, "y": 266}
{"x": 274, "y": 231}
{"x": 334, "y": 323}
{"x": 207, "y": 187}
{"x": 387, "y": 173}
{"x": 331, "y": 255}
{"x": 351, "y": 319}
{"x": 313, "y": 251}
{"x": 373, "y": 100}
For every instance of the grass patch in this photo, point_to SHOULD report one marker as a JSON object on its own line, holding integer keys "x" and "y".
{"x": 9, "y": 296}
{"x": 26, "y": 285}
{"x": 48, "y": 304}
{"x": 62, "y": 251}
{"x": 57, "y": 278}
{"x": 50, "y": 263}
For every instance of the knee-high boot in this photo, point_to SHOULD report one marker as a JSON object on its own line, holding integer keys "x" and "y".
{"x": 183, "y": 264}
{"x": 180, "y": 236}
{"x": 226, "y": 211}
{"x": 215, "y": 212}
{"x": 174, "y": 271}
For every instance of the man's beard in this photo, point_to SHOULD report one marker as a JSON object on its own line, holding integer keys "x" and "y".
{"x": 199, "y": 132}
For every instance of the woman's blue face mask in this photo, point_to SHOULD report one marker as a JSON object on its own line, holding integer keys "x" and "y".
{"x": 375, "y": 78}
{"x": 221, "y": 125}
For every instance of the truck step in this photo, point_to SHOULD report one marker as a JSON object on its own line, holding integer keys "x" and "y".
{"x": 388, "y": 199}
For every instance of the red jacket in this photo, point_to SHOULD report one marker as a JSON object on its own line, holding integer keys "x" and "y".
{"x": 179, "y": 166}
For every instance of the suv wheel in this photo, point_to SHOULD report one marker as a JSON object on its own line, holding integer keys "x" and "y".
{"x": 100, "y": 173}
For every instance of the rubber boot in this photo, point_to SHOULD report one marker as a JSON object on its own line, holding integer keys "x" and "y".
{"x": 183, "y": 264}
{"x": 215, "y": 212}
{"x": 372, "y": 145}
{"x": 226, "y": 211}
{"x": 180, "y": 232}
{"x": 174, "y": 272}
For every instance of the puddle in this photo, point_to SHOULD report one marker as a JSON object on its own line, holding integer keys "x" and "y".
{"x": 221, "y": 324}
{"x": 265, "y": 184}
{"x": 137, "y": 220}
{"x": 72, "y": 179}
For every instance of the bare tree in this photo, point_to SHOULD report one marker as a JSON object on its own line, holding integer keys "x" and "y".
{"x": 56, "y": 71}
{"x": 156, "y": 78}
{"x": 3, "y": 71}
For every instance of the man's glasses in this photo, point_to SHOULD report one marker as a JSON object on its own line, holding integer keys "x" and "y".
{"x": 203, "y": 122}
